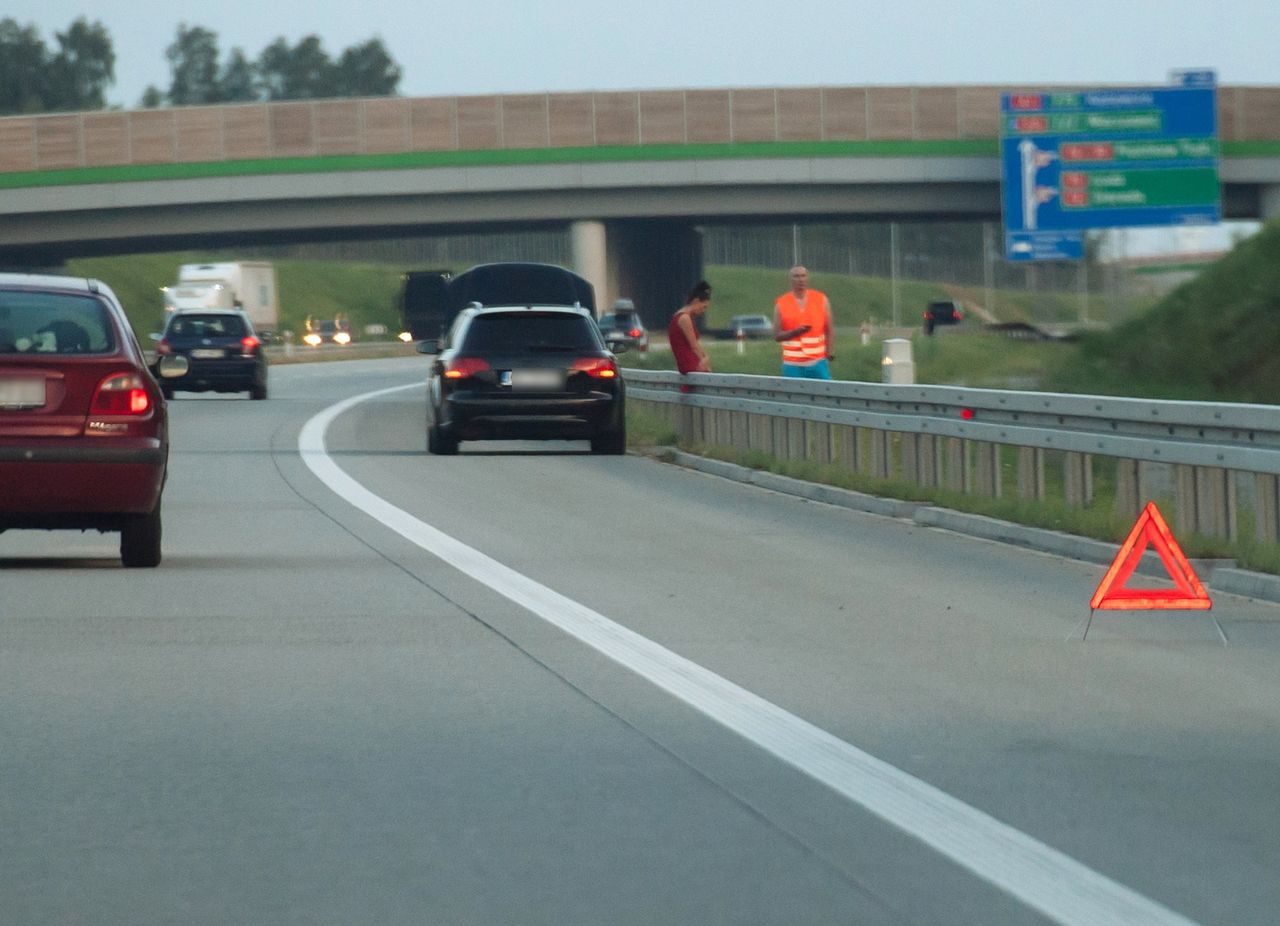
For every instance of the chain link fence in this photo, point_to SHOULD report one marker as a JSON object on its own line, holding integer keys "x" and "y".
{"x": 967, "y": 258}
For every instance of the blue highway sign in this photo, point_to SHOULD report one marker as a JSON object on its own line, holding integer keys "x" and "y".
{"x": 1111, "y": 158}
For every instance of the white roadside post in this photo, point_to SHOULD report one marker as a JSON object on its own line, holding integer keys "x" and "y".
{"x": 896, "y": 365}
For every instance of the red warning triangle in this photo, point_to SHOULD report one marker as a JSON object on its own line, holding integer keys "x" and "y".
{"x": 1150, "y": 529}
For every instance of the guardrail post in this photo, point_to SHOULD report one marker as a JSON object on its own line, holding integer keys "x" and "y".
{"x": 778, "y": 436}
{"x": 722, "y": 429}
{"x": 796, "y": 446}
{"x": 911, "y": 458}
{"x": 740, "y": 428}
{"x": 1031, "y": 473}
{"x": 1267, "y": 502}
{"x": 986, "y": 469}
{"x": 847, "y": 440}
{"x": 930, "y": 461}
{"x": 821, "y": 438}
{"x": 881, "y": 459}
{"x": 1130, "y": 493}
{"x": 1206, "y": 501}
{"x": 957, "y": 465}
{"x": 761, "y": 434}
{"x": 685, "y": 424}
{"x": 1077, "y": 479}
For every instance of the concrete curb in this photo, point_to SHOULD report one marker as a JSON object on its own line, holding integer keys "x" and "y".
{"x": 1219, "y": 575}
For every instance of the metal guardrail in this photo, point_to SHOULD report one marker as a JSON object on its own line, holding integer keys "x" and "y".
{"x": 951, "y": 436}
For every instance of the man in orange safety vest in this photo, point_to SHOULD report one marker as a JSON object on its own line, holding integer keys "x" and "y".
{"x": 802, "y": 324}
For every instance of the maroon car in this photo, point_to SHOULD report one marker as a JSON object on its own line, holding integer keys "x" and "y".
{"x": 84, "y": 441}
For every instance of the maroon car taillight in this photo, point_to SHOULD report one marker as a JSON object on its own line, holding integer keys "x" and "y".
{"x": 121, "y": 394}
{"x": 596, "y": 367}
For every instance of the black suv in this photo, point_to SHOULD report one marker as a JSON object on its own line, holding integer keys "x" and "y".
{"x": 222, "y": 349}
{"x": 942, "y": 312}
{"x": 520, "y": 373}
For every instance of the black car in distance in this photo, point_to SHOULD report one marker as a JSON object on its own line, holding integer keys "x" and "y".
{"x": 524, "y": 373}
{"x": 623, "y": 326}
{"x": 223, "y": 351}
{"x": 942, "y": 312}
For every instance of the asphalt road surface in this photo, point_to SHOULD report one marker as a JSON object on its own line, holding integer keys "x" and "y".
{"x": 526, "y": 684}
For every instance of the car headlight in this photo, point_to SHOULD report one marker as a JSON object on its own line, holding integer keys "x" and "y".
{"x": 312, "y": 339}
{"x": 342, "y": 337}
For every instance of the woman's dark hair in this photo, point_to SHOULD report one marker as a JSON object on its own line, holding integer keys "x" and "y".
{"x": 701, "y": 290}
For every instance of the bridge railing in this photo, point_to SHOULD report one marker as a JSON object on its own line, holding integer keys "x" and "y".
{"x": 1216, "y": 459}
{"x": 394, "y": 125}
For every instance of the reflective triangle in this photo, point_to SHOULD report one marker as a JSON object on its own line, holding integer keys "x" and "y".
{"x": 1150, "y": 530}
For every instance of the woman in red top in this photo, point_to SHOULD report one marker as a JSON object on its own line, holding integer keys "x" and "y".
{"x": 682, "y": 333}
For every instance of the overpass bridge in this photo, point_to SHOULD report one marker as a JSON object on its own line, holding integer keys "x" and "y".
{"x": 631, "y": 174}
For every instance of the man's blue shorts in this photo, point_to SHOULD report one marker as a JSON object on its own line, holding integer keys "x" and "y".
{"x": 819, "y": 370}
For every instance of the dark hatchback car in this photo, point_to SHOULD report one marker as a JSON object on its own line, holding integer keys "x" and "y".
{"x": 84, "y": 439}
{"x": 223, "y": 352}
{"x": 942, "y": 312}
{"x": 623, "y": 326}
{"x": 522, "y": 373}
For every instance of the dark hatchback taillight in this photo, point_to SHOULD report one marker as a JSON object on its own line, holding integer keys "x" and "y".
{"x": 163, "y": 347}
{"x": 596, "y": 367}
{"x": 121, "y": 394}
{"x": 249, "y": 345}
{"x": 464, "y": 367}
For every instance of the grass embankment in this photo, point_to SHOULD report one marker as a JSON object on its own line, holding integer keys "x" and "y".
{"x": 1216, "y": 338}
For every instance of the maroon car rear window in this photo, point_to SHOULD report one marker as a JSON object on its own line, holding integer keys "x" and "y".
{"x": 40, "y": 323}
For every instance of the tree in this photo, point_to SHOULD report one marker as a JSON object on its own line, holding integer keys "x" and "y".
{"x": 303, "y": 72}
{"x": 84, "y": 65}
{"x": 193, "y": 66}
{"x": 22, "y": 63}
{"x": 238, "y": 82}
{"x": 367, "y": 70}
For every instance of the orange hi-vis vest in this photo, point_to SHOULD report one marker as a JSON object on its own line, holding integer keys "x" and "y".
{"x": 811, "y": 346}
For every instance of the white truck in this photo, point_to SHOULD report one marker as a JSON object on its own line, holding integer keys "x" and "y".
{"x": 246, "y": 285}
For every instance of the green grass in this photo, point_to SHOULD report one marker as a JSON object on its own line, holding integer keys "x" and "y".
{"x": 1216, "y": 338}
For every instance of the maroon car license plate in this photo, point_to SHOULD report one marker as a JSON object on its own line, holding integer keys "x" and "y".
{"x": 21, "y": 392}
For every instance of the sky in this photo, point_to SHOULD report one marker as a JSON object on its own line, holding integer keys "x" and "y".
{"x": 501, "y": 46}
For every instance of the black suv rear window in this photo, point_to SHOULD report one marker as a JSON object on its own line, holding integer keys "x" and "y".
{"x": 54, "y": 323}
{"x": 206, "y": 326}
{"x": 529, "y": 331}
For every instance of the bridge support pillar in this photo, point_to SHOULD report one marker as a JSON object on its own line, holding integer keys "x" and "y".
{"x": 590, "y": 257}
{"x": 654, "y": 263}
{"x": 1269, "y": 201}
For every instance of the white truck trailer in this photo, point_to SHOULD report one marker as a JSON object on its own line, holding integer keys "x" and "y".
{"x": 246, "y": 285}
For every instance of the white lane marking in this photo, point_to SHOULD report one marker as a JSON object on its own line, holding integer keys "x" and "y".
{"x": 1041, "y": 877}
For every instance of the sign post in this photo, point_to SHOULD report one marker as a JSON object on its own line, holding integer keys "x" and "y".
{"x": 1076, "y": 160}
